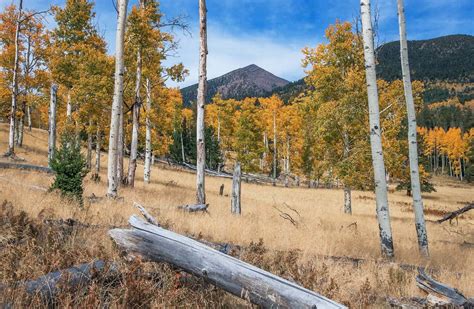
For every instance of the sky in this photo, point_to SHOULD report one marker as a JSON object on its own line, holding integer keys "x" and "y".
{"x": 271, "y": 33}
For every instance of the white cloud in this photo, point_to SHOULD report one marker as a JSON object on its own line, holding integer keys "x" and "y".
{"x": 229, "y": 51}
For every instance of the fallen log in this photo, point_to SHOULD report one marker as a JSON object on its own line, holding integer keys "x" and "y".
{"x": 456, "y": 213}
{"x": 26, "y": 167}
{"x": 48, "y": 285}
{"x": 145, "y": 214}
{"x": 234, "y": 276}
{"x": 440, "y": 294}
{"x": 194, "y": 208}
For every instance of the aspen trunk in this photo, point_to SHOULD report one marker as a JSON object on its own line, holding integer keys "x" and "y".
{"x": 219, "y": 143}
{"x": 89, "y": 148}
{"x": 97, "y": 151}
{"x": 68, "y": 105}
{"x": 52, "y": 123}
{"x": 182, "y": 148}
{"x": 383, "y": 215}
{"x": 132, "y": 165}
{"x": 265, "y": 148}
{"x": 120, "y": 148}
{"x": 236, "y": 180}
{"x": 412, "y": 142}
{"x": 347, "y": 189}
{"x": 117, "y": 101}
{"x": 21, "y": 126}
{"x": 202, "y": 90}
{"x": 347, "y": 200}
{"x": 11, "y": 135}
{"x": 28, "y": 114}
{"x": 148, "y": 153}
{"x": 274, "y": 149}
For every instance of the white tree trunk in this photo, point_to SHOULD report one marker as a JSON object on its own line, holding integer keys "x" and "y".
{"x": 219, "y": 143}
{"x": 52, "y": 123}
{"x": 381, "y": 196}
{"x": 120, "y": 148}
{"x": 11, "y": 135}
{"x": 182, "y": 148}
{"x": 347, "y": 189}
{"x": 274, "y": 149}
{"x": 201, "y": 97}
{"x": 28, "y": 115}
{"x": 412, "y": 142}
{"x": 132, "y": 165}
{"x": 21, "y": 125}
{"x": 117, "y": 102}
{"x": 148, "y": 153}
{"x": 97, "y": 151}
{"x": 68, "y": 105}
{"x": 89, "y": 149}
{"x": 235, "y": 201}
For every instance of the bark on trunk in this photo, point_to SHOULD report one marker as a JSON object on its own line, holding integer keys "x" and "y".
{"x": 383, "y": 215}
{"x": 117, "y": 102}
{"x": 11, "y": 136}
{"x": 21, "y": 126}
{"x": 132, "y": 165}
{"x": 200, "y": 139}
{"x": 120, "y": 148}
{"x": 412, "y": 142}
{"x": 148, "y": 153}
{"x": 68, "y": 105}
{"x": 28, "y": 115}
{"x": 232, "y": 275}
{"x": 52, "y": 123}
{"x": 182, "y": 148}
{"x": 274, "y": 149}
{"x": 235, "y": 202}
{"x": 89, "y": 149}
{"x": 97, "y": 152}
{"x": 347, "y": 200}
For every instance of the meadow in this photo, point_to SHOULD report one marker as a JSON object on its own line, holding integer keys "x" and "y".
{"x": 325, "y": 250}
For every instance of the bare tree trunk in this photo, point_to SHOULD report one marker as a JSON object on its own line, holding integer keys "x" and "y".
{"x": 98, "y": 138}
{"x": 274, "y": 149}
{"x": 132, "y": 165}
{"x": 182, "y": 147}
{"x": 89, "y": 148}
{"x": 11, "y": 136}
{"x": 236, "y": 180}
{"x": 28, "y": 115}
{"x": 412, "y": 142}
{"x": 265, "y": 149}
{"x": 148, "y": 152}
{"x": 52, "y": 123}
{"x": 120, "y": 148}
{"x": 219, "y": 143}
{"x": 21, "y": 126}
{"x": 347, "y": 189}
{"x": 117, "y": 102}
{"x": 201, "y": 97}
{"x": 68, "y": 105}
{"x": 383, "y": 214}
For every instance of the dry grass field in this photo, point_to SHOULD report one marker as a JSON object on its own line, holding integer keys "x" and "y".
{"x": 303, "y": 253}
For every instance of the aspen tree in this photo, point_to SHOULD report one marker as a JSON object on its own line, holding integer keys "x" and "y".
{"x": 200, "y": 140}
{"x": 412, "y": 143}
{"x": 381, "y": 196}
{"x": 117, "y": 101}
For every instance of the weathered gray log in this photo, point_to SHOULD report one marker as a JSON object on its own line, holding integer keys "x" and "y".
{"x": 74, "y": 277}
{"x": 146, "y": 214}
{"x": 194, "y": 208}
{"x": 235, "y": 200}
{"x": 232, "y": 275}
{"x": 439, "y": 293}
{"x": 27, "y": 167}
{"x": 456, "y": 213}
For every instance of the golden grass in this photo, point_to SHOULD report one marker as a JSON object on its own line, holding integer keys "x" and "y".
{"x": 323, "y": 228}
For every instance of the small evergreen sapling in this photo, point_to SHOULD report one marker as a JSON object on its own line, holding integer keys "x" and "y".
{"x": 70, "y": 167}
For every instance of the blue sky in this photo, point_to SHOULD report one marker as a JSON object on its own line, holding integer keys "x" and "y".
{"x": 271, "y": 33}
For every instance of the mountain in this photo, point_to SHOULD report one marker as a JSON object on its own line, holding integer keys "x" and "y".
{"x": 448, "y": 58}
{"x": 250, "y": 81}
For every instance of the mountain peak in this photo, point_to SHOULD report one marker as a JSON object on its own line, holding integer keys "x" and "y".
{"x": 249, "y": 81}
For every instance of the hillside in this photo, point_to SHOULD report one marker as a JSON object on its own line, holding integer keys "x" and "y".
{"x": 447, "y": 58}
{"x": 249, "y": 81}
